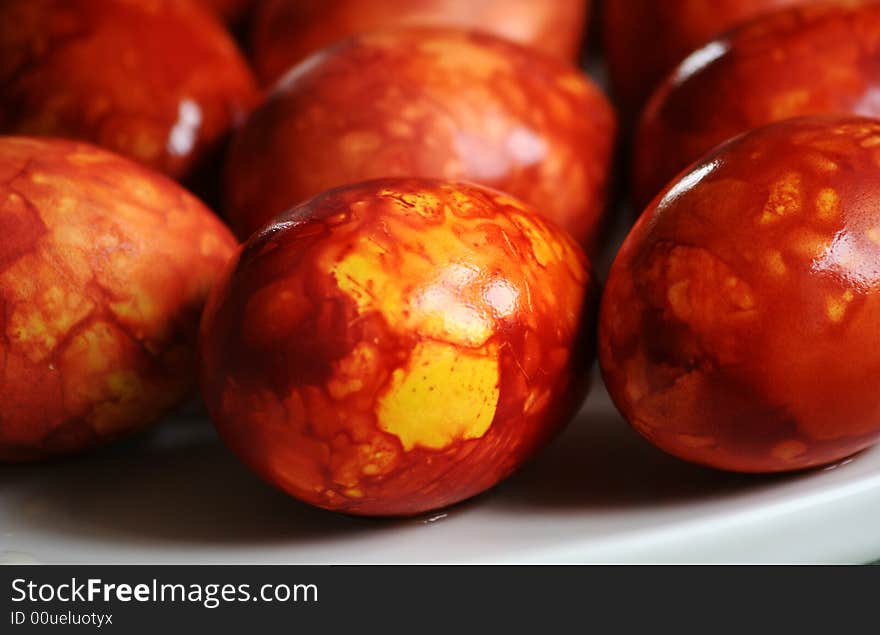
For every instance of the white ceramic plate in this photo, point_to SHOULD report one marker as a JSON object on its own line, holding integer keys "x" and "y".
{"x": 598, "y": 494}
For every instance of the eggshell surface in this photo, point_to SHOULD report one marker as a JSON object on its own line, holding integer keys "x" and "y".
{"x": 645, "y": 39}
{"x": 435, "y": 103}
{"x": 285, "y": 32}
{"x": 738, "y": 326}
{"x": 807, "y": 60}
{"x": 158, "y": 81}
{"x": 399, "y": 345}
{"x": 104, "y": 268}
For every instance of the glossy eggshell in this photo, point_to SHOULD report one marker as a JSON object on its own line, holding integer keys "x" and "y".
{"x": 159, "y": 81}
{"x": 801, "y": 61}
{"x": 433, "y": 103}
{"x": 739, "y": 323}
{"x": 286, "y": 31}
{"x": 397, "y": 346}
{"x": 104, "y": 268}
{"x": 644, "y": 39}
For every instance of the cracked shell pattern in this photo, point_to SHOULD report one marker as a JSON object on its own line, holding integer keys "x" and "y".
{"x": 435, "y": 103}
{"x": 104, "y": 268}
{"x": 738, "y": 327}
{"x": 396, "y": 346}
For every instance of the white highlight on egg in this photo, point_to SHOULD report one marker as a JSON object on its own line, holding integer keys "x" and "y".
{"x": 526, "y": 146}
{"x": 502, "y": 297}
{"x": 700, "y": 59}
{"x": 688, "y": 182}
{"x": 183, "y": 134}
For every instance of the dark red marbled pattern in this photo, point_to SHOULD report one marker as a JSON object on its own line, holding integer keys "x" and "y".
{"x": 159, "y": 81}
{"x": 804, "y": 60}
{"x": 643, "y": 40}
{"x": 433, "y": 103}
{"x": 738, "y": 326}
{"x": 397, "y": 346}
{"x": 286, "y": 31}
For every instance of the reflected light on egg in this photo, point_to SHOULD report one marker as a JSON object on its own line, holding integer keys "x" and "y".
{"x": 526, "y": 146}
{"x": 443, "y": 302}
{"x": 502, "y": 297}
{"x": 869, "y": 104}
{"x": 409, "y": 392}
{"x": 184, "y": 134}
{"x": 428, "y": 102}
{"x": 700, "y": 59}
{"x": 483, "y": 161}
{"x": 739, "y": 319}
{"x": 688, "y": 182}
{"x": 847, "y": 258}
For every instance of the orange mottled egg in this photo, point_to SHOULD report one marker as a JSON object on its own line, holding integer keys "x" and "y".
{"x": 438, "y": 103}
{"x": 738, "y": 327}
{"x": 159, "y": 81}
{"x": 104, "y": 267}
{"x": 806, "y": 60}
{"x": 286, "y": 31}
{"x": 399, "y": 345}
{"x": 645, "y": 39}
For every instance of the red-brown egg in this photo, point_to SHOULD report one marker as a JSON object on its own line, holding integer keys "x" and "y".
{"x": 435, "y": 103}
{"x": 230, "y": 11}
{"x": 159, "y": 81}
{"x": 286, "y": 31}
{"x": 104, "y": 267}
{"x": 644, "y": 39}
{"x": 805, "y": 60}
{"x": 739, "y": 323}
{"x": 398, "y": 345}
